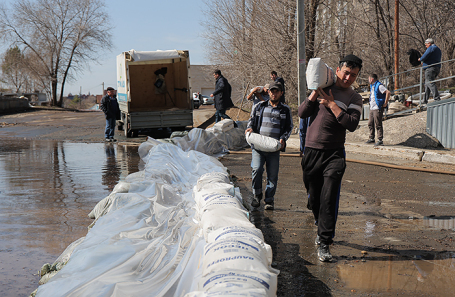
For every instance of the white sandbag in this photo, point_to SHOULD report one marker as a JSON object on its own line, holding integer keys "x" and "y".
{"x": 319, "y": 74}
{"x": 244, "y": 254}
{"x": 224, "y": 125}
{"x": 262, "y": 143}
{"x": 239, "y": 280}
{"x": 229, "y": 293}
{"x": 204, "y": 196}
{"x": 212, "y": 177}
{"x": 235, "y": 232}
{"x": 219, "y": 218}
{"x": 222, "y": 201}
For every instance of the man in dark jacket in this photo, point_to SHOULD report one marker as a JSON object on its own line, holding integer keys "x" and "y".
{"x": 274, "y": 76}
{"x": 222, "y": 96}
{"x": 111, "y": 109}
{"x": 273, "y": 119}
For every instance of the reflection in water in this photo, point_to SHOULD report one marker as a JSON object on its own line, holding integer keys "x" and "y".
{"x": 46, "y": 191}
{"x": 432, "y": 274}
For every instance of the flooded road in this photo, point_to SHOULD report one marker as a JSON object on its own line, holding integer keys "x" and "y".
{"x": 46, "y": 191}
{"x": 395, "y": 232}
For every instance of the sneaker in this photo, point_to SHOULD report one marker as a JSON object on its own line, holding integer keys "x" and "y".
{"x": 113, "y": 139}
{"x": 107, "y": 140}
{"x": 317, "y": 241}
{"x": 370, "y": 141}
{"x": 324, "y": 254}
{"x": 379, "y": 143}
{"x": 269, "y": 206}
{"x": 256, "y": 200}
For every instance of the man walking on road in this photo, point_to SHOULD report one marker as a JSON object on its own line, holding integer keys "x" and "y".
{"x": 273, "y": 119}
{"x": 431, "y": 56}
{"x": 332, "y": 111}
{"x": 222, "y": 96}
{"x": 379, "y": 98}
{"x": 274, "y": 76}
{"x": 110, "y": 107}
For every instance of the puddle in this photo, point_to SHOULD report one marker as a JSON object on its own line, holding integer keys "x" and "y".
{"x": 421, "y": 275}
{"x": 46, "y": 191}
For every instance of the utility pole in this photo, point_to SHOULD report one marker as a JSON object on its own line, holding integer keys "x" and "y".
{"x": 397, "y": 53}
{"x": 80, "y": 97}
{"x": 301, "y": 50}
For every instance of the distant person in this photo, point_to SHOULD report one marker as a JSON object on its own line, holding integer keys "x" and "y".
{"x": 273, "y": 119}
{"x": 379, "y": 98}
{"x": 332, "y": 111}
{"x": 431, "y": 56}
{"x": 303, "y": 127}
{"x": 258, "y": 94}
{"x": 222, "y": 96}
{"x": 274, "y": 76}
{"x": 111, "y": 109}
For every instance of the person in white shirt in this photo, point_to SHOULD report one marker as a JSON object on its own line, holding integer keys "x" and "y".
{"x": 379, "y": 98}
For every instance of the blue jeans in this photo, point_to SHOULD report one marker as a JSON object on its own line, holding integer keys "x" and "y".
{"x": 272, "y": 161}
{"x": 221, "y": 113}
{"x": 110, "y": 128}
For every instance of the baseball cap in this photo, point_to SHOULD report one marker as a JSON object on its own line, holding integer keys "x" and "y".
{"x": 276, "y": 85}
{"x": 353, "y": 59}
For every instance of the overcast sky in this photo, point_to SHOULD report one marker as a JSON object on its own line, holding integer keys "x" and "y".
{"x": 144, "y": 25}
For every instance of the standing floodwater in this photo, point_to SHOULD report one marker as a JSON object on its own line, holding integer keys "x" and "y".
{"x": 46, "y": 191}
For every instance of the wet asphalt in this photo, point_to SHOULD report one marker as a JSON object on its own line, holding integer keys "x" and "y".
{"x": 395, "y": 230}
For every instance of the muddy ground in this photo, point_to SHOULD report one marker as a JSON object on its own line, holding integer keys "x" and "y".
{"x": 395, "y": 231}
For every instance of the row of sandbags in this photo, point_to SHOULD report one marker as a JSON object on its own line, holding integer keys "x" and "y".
{"x": 236, "y": 260}
{"x": 175, "y": 228}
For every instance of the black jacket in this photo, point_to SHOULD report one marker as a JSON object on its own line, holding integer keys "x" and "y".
{"x": 414, "y": 56}
{"x": 111, "y": 110}
{"x": 222, "y": 94}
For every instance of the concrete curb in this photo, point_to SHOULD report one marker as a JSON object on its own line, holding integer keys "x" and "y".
{"x": 401, "y": 152}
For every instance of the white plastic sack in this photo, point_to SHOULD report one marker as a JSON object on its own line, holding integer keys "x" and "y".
{"x": 239, "y": 280}
{"x": 212, "y": 177}
{"x": 319, "y": 74}
{"x": 262, "y": 143}
{"x": 235, "y": 232}
{"x": 224, "y": 125}
{"x": 229, "y": 293}
{"x": 219, "y": 218}
{"x": 244, "y": 254}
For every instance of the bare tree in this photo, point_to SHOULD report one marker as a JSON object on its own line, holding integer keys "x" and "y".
{"x": 60, "y": 36}
{"x": 13, "y": 68}
{"x": 252, "y": 37}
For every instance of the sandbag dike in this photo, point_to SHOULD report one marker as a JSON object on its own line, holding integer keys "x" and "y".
{"x": 176, "y": 228}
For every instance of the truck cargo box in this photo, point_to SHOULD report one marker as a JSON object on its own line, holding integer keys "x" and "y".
{"x": 153, "y": 90}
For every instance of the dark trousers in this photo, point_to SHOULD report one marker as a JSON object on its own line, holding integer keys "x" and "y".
{"x": 430, "y": 75}
{"x": 220, "y": 113}
{"x": 375, "y": 121}
{"x": 322, "y": 174}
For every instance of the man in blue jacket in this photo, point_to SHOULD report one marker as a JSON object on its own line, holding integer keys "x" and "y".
{"x": 431, "y": 56}
{"x": 379, "y": 98}
{"x": 270, "y": 118}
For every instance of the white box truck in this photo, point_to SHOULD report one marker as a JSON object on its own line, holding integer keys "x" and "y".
{"x": 153, "y": 90}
